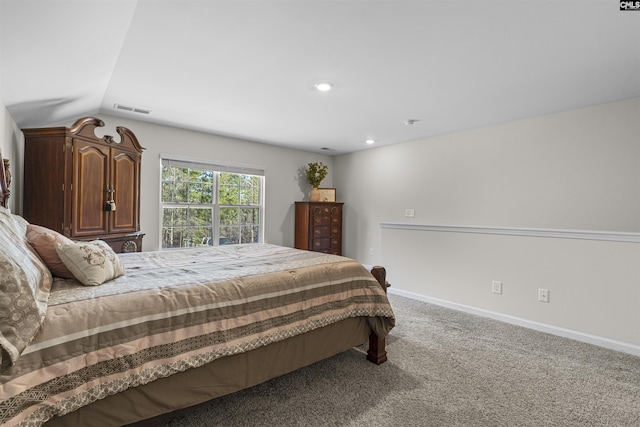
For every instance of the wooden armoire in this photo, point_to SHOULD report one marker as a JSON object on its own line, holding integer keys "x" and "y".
{"x": 83, "y": 186}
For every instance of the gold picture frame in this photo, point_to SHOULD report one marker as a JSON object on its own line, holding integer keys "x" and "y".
{"x": 327, "y": 194}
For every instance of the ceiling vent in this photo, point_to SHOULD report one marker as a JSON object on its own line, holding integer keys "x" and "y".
{"x": 131, "y": 109}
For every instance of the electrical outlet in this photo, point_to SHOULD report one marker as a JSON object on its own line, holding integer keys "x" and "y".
{"x": 496, "y": 287}
{"x": 409, "y": 213}
{"x": 543, "y": 295}
{"x": 370, "y": 251}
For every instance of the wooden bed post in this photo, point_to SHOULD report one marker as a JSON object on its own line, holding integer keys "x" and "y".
{"x": 5, "y": 182}
{"x": 377, "y": 353}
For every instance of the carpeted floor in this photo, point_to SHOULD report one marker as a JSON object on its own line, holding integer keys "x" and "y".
{"x": 445, "y": 368}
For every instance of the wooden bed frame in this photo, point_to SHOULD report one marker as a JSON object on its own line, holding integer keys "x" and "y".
{"x": 5, "y": 182}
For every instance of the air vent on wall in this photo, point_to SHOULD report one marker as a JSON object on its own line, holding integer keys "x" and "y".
{"x": 131, "y": 109}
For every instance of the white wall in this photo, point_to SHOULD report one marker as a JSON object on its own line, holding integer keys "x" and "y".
{"x": 9, "y": 142}
{"x": 283, "y": 187}
{"x": 12, "y": 149}
{"x": 576, "y": 170}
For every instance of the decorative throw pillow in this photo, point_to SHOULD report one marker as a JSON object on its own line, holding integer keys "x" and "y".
{"x": 21, "y": 223}
{"x": 92, "y": 263}
{"x": 44, "y": 241}
{"x": 25, "y": 284}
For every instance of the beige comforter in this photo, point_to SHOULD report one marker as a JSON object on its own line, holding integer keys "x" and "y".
{"x": 174, "y": 310}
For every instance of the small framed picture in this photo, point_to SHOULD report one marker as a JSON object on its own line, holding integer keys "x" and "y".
{"x": 327, "y": 194}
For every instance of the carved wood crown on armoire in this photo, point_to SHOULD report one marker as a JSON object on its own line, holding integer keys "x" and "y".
{"x": 83, "y": 186}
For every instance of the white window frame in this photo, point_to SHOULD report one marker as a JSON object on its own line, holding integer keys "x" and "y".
{"x": 217, "y": 167}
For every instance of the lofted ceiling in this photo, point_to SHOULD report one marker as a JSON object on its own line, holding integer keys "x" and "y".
{"x": 247, "y": 69}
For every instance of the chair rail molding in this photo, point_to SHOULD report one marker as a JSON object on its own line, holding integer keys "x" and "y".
{"x": 611, "y": 236}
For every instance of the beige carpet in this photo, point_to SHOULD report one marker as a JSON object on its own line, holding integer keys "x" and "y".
{"x": 445, "y": 368}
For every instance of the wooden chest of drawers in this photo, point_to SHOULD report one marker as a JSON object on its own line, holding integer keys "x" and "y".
{"x": 319, "y": 227}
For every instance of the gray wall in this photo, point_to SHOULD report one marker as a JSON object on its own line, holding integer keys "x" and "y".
{"x": 564, "y": 174}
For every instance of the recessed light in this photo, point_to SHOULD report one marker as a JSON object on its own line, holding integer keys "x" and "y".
{"x": 324, "y": 86}
{"x": 370, "y": 141}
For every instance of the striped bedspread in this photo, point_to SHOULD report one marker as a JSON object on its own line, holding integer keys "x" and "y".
{"x": 174, "y": 310}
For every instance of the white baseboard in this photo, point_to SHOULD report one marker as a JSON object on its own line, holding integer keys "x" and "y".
{"x": 554, "y": 330}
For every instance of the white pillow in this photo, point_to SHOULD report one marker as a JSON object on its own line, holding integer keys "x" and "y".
{"x": 92, "y": 263}
{"x": 21, "y": 223}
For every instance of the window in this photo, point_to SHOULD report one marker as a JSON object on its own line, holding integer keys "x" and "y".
{"x": 210, "y": 204}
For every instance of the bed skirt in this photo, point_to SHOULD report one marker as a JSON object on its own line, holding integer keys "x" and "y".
{"x": 158, "y": 401}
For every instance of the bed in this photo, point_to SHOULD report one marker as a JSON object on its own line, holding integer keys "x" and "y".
{"x": 168, "y": 330}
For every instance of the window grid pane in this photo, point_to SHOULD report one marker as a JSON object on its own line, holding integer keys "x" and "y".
{"x": 189, "y": 204}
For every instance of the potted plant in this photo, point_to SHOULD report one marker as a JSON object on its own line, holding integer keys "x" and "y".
{"x": 316, "y": 172}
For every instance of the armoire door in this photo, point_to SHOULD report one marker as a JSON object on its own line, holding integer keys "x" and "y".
{"x": 124, "y": 183}
{"x": 90, "y": 185}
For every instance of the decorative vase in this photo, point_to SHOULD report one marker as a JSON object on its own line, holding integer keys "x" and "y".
{"x": 314, "y": 195}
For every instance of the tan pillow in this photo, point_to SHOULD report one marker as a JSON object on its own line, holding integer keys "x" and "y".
{"x": 44, "y": 241}
{"x": 25, "y": 284}
{"x": 92, "y": 263}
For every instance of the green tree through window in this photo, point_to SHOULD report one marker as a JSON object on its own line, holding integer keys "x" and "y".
{"x": 203, "y": 206}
